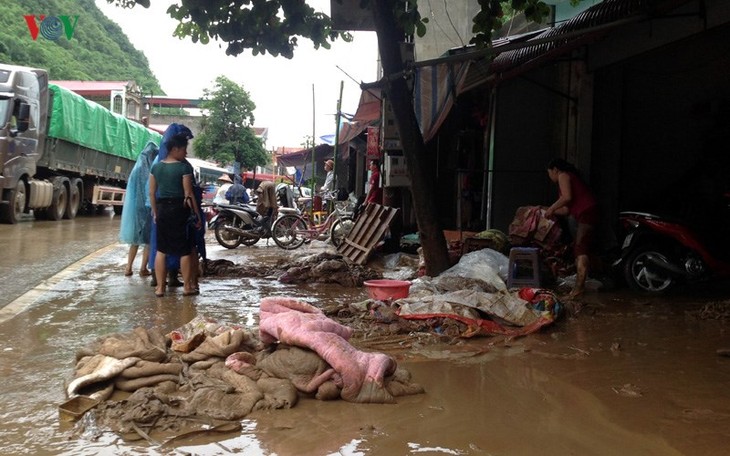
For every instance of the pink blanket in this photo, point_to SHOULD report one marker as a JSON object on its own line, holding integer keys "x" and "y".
{"x": 361, "y": 375}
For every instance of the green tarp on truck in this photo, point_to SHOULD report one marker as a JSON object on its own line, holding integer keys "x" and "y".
{"x": 79, "y": 121}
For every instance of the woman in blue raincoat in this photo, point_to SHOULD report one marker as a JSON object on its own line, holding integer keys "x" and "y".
{"x": 136, "y": 221}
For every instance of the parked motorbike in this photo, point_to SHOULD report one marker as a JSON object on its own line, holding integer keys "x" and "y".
{"x": 658, "y": 252}
{"x": 236, "y": 224}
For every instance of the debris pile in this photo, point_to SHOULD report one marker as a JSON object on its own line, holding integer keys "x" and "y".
{"x": 209, "y": 372}
{"x": 319, "y": 268}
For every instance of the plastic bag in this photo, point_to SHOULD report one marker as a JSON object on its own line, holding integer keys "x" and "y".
{"x": 486, "y": 265}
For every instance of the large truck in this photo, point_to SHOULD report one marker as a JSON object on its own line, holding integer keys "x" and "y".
{"x": 60, "y": 153}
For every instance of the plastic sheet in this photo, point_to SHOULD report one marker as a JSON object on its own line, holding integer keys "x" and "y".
{"x": 486, "y": 265}
{"x": 79, "y": 121}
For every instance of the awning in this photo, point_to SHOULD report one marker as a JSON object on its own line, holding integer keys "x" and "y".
{"x": 252, "y": 180}
{"x": 367, "y": 115}
{"x": 434, "y": 93}
{"x": 368, "y": 110}
{"x": 303, "y": 157}
{"x": 586, "y": 27}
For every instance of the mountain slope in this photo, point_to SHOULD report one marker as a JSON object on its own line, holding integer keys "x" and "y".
{"x": 97, "y": 50}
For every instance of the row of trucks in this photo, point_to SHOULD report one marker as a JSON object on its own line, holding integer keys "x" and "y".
{"x": 60, "y": 154}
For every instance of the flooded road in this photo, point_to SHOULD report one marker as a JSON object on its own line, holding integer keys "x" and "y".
{"x": 626, "y": 375}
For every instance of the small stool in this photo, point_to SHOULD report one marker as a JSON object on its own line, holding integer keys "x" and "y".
{"x": 519, "y": 256}
{"x": 318, "y": 217}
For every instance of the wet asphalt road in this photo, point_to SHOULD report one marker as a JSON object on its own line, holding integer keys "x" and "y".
{"x": 34, "y": 251}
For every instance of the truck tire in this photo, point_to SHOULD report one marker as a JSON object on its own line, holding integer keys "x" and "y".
{"x": 17, "y": 200}
{"x": 74, "y": 199}
{"x": 58, "y": 206}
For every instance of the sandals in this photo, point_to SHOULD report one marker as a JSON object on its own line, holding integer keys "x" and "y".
{"x": 127, "y": 273}
{"x": 142, "y": 273}
{"x": 195, "y": 292}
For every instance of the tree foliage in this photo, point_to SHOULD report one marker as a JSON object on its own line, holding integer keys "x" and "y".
{"x": 275, "y": 26}
{"x": 270, "y": 26}
{"x": 227, "y": 134}
{"x": 97, "y": 51}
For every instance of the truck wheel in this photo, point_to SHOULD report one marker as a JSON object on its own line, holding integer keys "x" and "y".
{"x": 58, "y": 206}
{"x": 74, "y": 199}
{"x": 12, "y": 212}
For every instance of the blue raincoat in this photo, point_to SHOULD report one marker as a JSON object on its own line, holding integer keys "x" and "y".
{"x": 136, "y": 215}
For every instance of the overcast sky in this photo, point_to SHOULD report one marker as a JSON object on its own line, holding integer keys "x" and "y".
{"x": 280, "y": 88}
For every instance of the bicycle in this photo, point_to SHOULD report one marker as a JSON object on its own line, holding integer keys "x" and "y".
{"x": 292, "y": 230}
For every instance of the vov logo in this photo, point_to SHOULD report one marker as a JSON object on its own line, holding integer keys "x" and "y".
{"x": 51, "y": 27}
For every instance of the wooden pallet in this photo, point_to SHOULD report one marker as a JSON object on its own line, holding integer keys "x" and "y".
{"x": 367, "y": 232}
{"x": 104, "y": 195}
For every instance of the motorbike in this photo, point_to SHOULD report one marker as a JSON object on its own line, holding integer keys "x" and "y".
{"x": 236, "y": 224}
{"x": 659, "y": 252}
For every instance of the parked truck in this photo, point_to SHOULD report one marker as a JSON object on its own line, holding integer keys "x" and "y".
{"x": 60, "y": 153}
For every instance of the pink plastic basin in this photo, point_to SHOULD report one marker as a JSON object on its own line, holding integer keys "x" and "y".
{"x": 387, "y": 289}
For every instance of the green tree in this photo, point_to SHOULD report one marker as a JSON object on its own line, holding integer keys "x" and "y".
{"x": 274, "y": 26}
{"x": 227, "y": 135}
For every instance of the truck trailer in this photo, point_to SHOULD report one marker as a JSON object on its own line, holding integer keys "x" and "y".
{"x": 60, "y": 153}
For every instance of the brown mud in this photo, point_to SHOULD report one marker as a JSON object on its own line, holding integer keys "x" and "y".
{"x": 625, "y": 374}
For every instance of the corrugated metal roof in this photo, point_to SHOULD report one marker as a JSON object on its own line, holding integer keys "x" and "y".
{"x": 593, "y": 21}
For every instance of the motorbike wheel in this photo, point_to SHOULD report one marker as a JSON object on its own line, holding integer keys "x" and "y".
{"x": 284, "y": 232}
{"x": 225, "y": 237}
{"x": 249, "y": 241}
{"x": 340, "y": 229}
{"x": 642, "y": 275}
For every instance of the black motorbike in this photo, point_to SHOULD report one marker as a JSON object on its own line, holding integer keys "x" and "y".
{"x": 237, "y": 224}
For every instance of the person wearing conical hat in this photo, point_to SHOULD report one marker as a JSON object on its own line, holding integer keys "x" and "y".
{"x": 225, "y": 183}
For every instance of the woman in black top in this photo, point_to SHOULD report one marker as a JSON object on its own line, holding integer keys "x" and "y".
{"x": 173, "y": 204}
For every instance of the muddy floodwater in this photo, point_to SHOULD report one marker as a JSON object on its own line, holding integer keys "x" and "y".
{"x": 627, "y": 375}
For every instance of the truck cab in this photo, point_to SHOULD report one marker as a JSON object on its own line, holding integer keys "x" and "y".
{"x": 23, "y": 117}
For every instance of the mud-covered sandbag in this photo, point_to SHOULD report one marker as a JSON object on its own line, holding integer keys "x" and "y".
{"x": 222, "y": 345}
{"x": 133, "y": 384}
{"x": 301, "y": 366}
{"x": 278, "y": 394}
{"x": 147, "y": 344}
{"x": 144, "y": 368}
{"x": 94, "y": 373}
